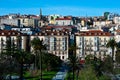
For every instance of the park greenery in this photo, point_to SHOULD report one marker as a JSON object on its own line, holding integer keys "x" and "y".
{"x": 94, "y": 68}
{"x": 15, "y": 61}
{"x": 39, "y": 64}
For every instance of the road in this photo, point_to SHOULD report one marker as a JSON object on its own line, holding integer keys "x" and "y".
{"x": 60, "y": 75}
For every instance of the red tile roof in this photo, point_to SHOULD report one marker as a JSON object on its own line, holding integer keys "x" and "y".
{"x": 118, "y": 30}
{"x": 9, "y": 33}
{"x": 63, "y": 19}
{"x": 94, "y": 33}
{"x": 60, "y": 26}
{"x": 55, "y": 33}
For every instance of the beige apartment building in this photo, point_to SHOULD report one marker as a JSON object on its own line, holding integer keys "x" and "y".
{"x": 56, "y": 41}
{"x": 93, "y": 42}
{"x": 29, "y": 22}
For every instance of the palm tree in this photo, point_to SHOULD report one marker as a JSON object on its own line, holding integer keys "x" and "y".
{"x": 112, "y": 44}
{"x": 38, "y": 46}
{"x": 74, "y": 61}
{"x": 72, "y": 49}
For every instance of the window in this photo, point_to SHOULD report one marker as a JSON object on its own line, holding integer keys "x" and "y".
{"x": 95, "y": 38}
{"x": 63, "y": 38}
{"x": 80, "y": 39}
{"x": 62, "y": 53}
{"x": 63, "y": 23}
{"x": 62, "y": 57}
{"x": 56, "y": 23}
{"x": 59, "y": 53}
{"x": 23, "y": 20}
{"x": 63, "y": 43}
{"x": 95, "y": 44}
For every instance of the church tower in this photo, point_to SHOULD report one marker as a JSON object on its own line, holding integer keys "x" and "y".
{"x": 40, "y": 14}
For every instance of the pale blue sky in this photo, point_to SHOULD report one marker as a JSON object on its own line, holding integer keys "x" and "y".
{"x": 63, "y": 7}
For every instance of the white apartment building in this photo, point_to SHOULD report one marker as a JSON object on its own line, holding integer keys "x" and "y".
{"x": 116, "y": 20}
{"x": 101, "y": 23}
{"x": 13, "y": 36}
{"x": 93, "y": 42}
{"x": 57, "y": 42}
{"x": 64, "y": 21}
{"x": 10, "y": 21}
{"x": 117, "y": 35}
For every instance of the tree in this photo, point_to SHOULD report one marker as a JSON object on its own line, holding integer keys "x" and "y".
{"x": 23, "y": 57}
{"x": 51, "y": 62}
{"x": 38, "y": 46}
{"x": 89, "y": 59}
{"x": 87, "y": 73}
{"x": 117, "y": 56}
{"x": 8, "y": 54}
{"x": 107, "y": 64}
{"x": 72, "y": 49}
{"x": 112, "y": 44}
{"x": 73, "y": 60}
{"x": 74, "y": 64}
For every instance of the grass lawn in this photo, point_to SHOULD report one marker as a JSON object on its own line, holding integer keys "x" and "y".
{"x": 117, "y": 71}
{"x": 47, "y": 75}
{"x": 70, "y": 76}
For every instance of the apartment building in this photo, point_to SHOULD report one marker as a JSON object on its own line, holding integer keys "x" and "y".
{"x": 102, "y": 23}
{"x": 116, "y": 20}
{"x": 93, "y": 42}
{"x": 9, "y": 21}
{"x": 117, "y": 35}
{"x": 56, "y": 41}
{"x": 64, "y": 21}
{"x": 51, "y": 18}
{"x": 13, "y": 37}
{"x": 33, "y": 22}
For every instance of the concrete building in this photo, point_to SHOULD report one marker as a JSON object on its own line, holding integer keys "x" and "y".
{"x": 9, "y": 21}
{"x": 116, "y": 20}
{"x": 117, "y": 35}
{"x": 64, "y": 21}
{"x": 93, "y": 42}
{"x": 22, "y": 43}
{"x": 51, "y": 18}
{"x": 102, "y": 23}
{"x": 29, "y": 22}
{"x": 112, "y": 15}
{"x": 57, "y": 42}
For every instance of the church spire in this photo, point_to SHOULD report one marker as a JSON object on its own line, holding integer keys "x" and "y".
{"x": 40, "y": 14}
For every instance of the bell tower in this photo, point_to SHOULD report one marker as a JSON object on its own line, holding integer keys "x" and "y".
{"x": 40, "y": 14}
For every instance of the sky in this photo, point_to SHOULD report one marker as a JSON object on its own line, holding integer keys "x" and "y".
{"x": 62, "y": 7}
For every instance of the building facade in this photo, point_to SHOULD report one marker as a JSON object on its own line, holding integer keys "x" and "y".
{"x": 13, "y": 37}
{"x": 9, "y": 21}
{"x": 29, "y": 22}
{"x": 93, "y": 42}
{"x": 57, "y": 42}
{"x": 64, "y": 21}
